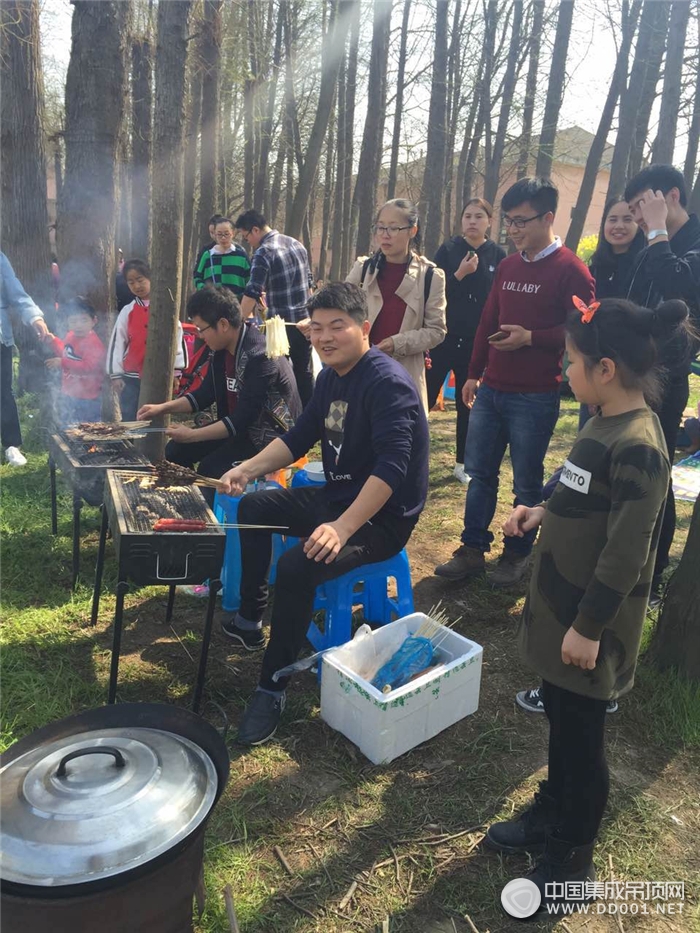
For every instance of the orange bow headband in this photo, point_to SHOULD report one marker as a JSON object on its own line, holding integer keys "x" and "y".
{"x": 587, "y": 311}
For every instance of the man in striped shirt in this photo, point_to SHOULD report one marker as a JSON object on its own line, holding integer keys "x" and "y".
{"x": 225, "y": 263}
{"x": 280, "y": 269}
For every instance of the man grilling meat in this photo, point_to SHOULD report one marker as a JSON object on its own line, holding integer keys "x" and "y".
{"x": 256, "y": 398}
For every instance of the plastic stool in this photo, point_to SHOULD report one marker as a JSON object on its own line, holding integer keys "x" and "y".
{"x": 336, "y": 598}
{"x": 449, "y": 387}
{"x": 302, "y": 478}
{"x": 226, "y": 510}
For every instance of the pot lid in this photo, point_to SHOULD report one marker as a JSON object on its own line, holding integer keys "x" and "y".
{"x": 95, "y": 805}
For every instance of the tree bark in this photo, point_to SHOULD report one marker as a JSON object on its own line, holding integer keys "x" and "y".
{"x": 190, "y": 240}
{"x": 141, "y": 104}
{"x": 337, "y": 227}
{"x": 676, "y": 639}
{"x": 555, "y": 90}
{"x": 330, "y": 65}
{"x": 25, "y": 219}
{"x": 649, "y": 83}
{"x": 365, "y": 193}
{"x": 209, "y": 145}
{"x": 398, "y": 110}
{"x": 168, "y": 207}
{"x": 350, "y": 94}
{"x": 484, "y": 93}
{"x": 493, "y": 166}
{"x": 454, "y": 101}
{"x": 466, "y": 145}
{"x": 249, "y": 128}
{"x": 531, "y": 88}
{"x": 97, "y": 73}
{"x": 262, "y": 183}
{"x": 327, "y": 201}
{"x": 631, "y": 100}
{"x": 595, "y": 154}
{"x": 434, "y": 174}
{"x": 664, "y": 144}
{"x": 691, "y": 156}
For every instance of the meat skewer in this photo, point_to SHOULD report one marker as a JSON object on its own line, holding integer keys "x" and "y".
{"x": 166, "y": 473}
{"x": 195, "y": 524}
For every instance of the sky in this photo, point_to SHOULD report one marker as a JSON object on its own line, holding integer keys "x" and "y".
{"x": 589, "y": 68}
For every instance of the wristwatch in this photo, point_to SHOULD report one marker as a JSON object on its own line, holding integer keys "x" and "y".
{"x": 654, "y": 233}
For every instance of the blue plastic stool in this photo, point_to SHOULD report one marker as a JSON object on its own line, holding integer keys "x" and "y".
{"x": 448, "y": 391}
{"x": 226, "y": 510}
{"x": 336, "y": 598}
{"x": 302, "y": 478}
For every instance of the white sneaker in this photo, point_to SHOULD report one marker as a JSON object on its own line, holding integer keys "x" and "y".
{"x": 459, "y": 474}
{"x": 15, "y": 457}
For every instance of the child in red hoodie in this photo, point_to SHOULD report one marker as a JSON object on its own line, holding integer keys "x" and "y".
{"x": 81, "y": 359}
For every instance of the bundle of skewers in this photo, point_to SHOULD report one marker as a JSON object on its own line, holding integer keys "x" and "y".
{"x": 107, "y": 430}
{"x": 164, "y": 474}
{"x": 417, "y": 655}
{"x": 276, "y": 340}
{"x": 169, "y": 525}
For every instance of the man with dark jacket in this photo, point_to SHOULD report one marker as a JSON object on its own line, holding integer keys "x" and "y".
{"x": 256, "y": 398}
{"x": 669, "y": 267}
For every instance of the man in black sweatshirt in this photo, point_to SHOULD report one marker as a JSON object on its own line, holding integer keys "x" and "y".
{"x": 668, "y": 268}
{"x": 366, "y": 412}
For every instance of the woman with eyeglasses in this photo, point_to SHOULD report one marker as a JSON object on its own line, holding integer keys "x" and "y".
{"x": 469, "y": 262}
{"x": 225, "y": 263}
{"x": 405, "y": 291}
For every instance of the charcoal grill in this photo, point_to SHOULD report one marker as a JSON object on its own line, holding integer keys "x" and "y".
{"x": 84, "y": 465}
{"x": 132, "y": 504}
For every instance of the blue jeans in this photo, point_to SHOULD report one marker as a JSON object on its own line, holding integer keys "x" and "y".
{"x": 525, "y": 421}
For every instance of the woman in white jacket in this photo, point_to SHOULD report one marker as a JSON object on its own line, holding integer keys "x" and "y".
{"x": 405, "y": 291}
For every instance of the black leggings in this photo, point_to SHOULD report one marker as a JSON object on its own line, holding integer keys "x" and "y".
{"x": 302, "y": 510}
{"x": 578, "y": 772}
{"x": 453, "y": 354}
{"x": 11, "y": 434}
{"x": 670, "y": 413}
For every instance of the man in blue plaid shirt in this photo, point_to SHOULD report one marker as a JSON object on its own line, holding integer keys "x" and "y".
{"x": 280, "y": 268}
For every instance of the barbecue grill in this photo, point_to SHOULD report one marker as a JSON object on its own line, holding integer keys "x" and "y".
{"x": 84, "y": 465}
{"x": 132, "y": 505}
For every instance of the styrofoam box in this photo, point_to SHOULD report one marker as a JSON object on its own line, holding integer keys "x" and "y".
{"x": 384, "y": 726}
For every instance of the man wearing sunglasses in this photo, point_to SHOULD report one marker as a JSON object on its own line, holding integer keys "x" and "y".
{"x": 514, "y": 374}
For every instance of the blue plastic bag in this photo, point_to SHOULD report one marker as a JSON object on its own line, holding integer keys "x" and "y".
{"x": 414, "y": 655}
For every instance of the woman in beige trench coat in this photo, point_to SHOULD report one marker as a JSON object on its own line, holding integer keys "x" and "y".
{"x": 404, "y": 324}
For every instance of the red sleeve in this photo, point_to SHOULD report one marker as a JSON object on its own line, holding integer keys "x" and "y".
{"x": 579, "y": 282}
{"x": 487, "y": 325}
{"x": 93, "y": 360}
{"x": 56, "y": 346}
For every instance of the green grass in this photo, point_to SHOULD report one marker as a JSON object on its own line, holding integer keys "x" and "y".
{"x": 336, "y": 817}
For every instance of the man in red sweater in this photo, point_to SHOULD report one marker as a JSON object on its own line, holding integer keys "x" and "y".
{"x": 513, "y": 384}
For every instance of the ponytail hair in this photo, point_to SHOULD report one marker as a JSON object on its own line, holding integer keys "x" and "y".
{"x": 412, "y": 219}
{"x": 631, "y": 336}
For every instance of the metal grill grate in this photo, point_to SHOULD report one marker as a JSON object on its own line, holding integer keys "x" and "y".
{"x": 143, "y": 503}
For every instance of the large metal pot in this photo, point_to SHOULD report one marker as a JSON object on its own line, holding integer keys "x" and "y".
{"x": 103, "y": 820}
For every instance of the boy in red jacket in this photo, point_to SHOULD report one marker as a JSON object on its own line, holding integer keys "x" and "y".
{"x": 81, "y": 360}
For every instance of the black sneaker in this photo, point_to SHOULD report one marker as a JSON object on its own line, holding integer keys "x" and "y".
{"x": 509, "y": 570}
{"x": 250, "y": 639}
{"x": 531, "y": 701}
{"x": 527, "y": 833}
{"x": 261, "y": 718}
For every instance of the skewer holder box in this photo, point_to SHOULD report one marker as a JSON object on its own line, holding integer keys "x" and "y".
{"x": 384, "y": 726}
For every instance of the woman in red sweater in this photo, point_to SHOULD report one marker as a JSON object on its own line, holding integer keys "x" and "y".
{"x": 81, "y": 359}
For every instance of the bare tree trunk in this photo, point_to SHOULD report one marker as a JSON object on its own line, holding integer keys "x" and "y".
{"x": 434, "y": 175}
{"x": 262, "y": 184}
{"x": 595, "y": 154}
{"x": 25, "y": 222}
{"x": 327, "y": 201}
{"x": 168, "y": 207}
{"x": 484, "y": 94}
{"x": 664, "y": 144}
{"x": 454, "y": 94}
{"x": 337, "y": 229}
{"x": 555, "y": 89}
{"x": 493, "y": 166}
{"x": 466, "y": 146}
{"x": 330, "y": 64}
{"x": 398, "y": 109}
{"x": 141, "y": 103}
{"x": 87, "y": 209}
{"x": 694, "y": 203}
{"x": 350, "y": 94}
{"x": 249, "y": 108}
{"x": 190, "y": 239}
{"x": 123, "y": 189}
{"x": 531, "y": 88}
{"x": 211, "y": 82}
{"x": 365, "y": 193}
{"x": 691, "y": 155}
{"x": 651, "y": 80}
{"x": 277, "y": 176}
{"x": 676, "y": 640}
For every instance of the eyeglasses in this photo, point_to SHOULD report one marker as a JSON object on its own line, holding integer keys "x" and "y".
{"x": 390, "y": 231}
{"x": 520, "y": 223}
{"x": 200, "y": 330}
{"x": 224, "y": 236}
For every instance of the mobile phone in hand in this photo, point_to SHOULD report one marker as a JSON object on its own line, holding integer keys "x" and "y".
{"x": 497, "y": 337}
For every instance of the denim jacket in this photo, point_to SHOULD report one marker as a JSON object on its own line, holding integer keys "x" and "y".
{"x": 12, "y": 295}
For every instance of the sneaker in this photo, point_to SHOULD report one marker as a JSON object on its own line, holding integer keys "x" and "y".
{"x": 459, "y": 474}
{"x": 527, "y": 833}
{"x": 250, "y": 639}
{"x": 509, "y": 570}
{"x": 531, "y": 701}
{"x": 465, "y": 562}
{"x": 261, "y": 718}
{"x": 15, "y": 457}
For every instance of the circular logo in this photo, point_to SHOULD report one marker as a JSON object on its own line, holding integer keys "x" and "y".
{"x": 521, "y": 898}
